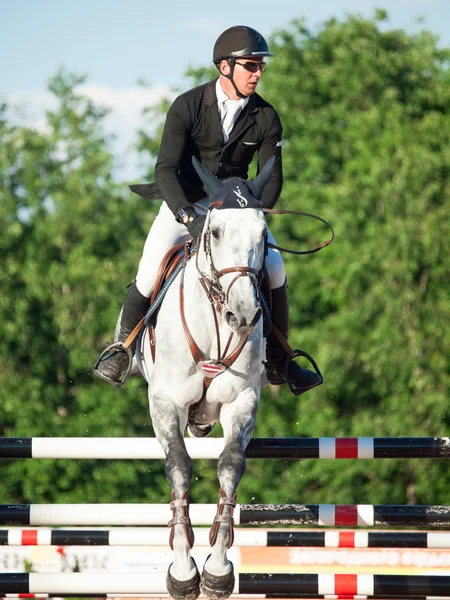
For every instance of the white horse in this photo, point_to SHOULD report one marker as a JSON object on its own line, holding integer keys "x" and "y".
{"x": 208, "y": 367}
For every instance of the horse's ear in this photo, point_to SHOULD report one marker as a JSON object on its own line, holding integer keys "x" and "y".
{"x": 210, "y": 182}
{"x": 257, "y": 185}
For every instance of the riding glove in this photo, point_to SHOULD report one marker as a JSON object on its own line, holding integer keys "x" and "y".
{"x": 195, "y": 227}
{"x": 193, "y": 222}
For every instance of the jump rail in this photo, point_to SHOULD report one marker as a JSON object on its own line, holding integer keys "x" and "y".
{"x": 158, "y": 536}
{"x": 281, "y": 448}
{"x": 238, "y": 596}
{"x": 331, "y": 515}
{"x": 285, "y": 584}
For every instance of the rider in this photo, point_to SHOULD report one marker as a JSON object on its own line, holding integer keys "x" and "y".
{"x": 223, "y": 123}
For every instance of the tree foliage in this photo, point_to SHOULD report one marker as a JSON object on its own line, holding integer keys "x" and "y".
{"x": 366, "y": 116}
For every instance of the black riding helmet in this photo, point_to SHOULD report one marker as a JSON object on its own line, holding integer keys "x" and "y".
{"x": 236, "y": 42}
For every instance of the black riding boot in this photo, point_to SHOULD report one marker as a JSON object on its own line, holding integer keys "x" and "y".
{"x": 301, "y": 379}
{"x": 134, "y": 308}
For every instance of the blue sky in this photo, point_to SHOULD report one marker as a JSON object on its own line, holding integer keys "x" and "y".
{"x": 116, "y": 43}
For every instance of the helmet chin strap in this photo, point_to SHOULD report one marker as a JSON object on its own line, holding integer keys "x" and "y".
{"x": 232, "y": 63}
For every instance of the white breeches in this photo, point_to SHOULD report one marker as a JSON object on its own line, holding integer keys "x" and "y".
{"x": 166, "y": 232}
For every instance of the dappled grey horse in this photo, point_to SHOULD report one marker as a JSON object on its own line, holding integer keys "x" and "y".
{"x": 203, "y": 362}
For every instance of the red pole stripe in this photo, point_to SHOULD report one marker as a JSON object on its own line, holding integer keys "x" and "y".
{"x": 346, "y": 539}
{"x": 29, "y": 537}
{"x": 346, "y": 584}
{"x": 346, "y": 515}
{"x": 346, "y": 447}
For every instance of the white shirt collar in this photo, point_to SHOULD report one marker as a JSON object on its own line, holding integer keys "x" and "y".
{"x": 222, "y": 97}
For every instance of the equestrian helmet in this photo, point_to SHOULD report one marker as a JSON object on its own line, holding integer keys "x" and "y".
{"x": 239, "y": 41}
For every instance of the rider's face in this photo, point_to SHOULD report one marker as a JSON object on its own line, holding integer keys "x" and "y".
{"x": 245, "y": 80}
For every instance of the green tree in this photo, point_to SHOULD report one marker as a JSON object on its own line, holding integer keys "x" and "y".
{"x": 366, "y": 127}
{"x": 366, "y": 112}
{"x": 70, "y": 242}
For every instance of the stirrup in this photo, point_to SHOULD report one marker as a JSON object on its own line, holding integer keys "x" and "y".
{"x": 297, "y": 391}
{"x": 108, "y": 353}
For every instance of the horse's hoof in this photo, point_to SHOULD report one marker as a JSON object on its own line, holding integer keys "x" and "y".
{"x": 188, "y": 589}
{"x": 199, "y": 431}
{"x": 217, "y": 587}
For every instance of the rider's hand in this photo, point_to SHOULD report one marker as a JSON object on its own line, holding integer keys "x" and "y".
{"x": 195, "y": 227}
{"x": 193, "y": 222}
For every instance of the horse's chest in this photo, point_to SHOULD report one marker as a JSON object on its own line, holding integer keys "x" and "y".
{"x": 225, "y": 388}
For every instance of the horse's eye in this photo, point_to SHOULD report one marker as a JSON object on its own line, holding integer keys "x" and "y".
{"x": 215, "y": 233}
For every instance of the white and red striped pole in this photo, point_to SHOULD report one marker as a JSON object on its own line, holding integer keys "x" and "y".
{"x": 263, "y": 448}
{"x": 328, "y": 515}
{"x": 250, "y": 538}
{"x": 268, "y": 584}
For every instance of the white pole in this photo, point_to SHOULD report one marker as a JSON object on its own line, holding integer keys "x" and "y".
{"x": 159, "y": 536}
{"x": 97, "y": 583}
{"x": 120, "y": 448}
{"x": 118, "y": 514}
{"x": 129, "y": 536}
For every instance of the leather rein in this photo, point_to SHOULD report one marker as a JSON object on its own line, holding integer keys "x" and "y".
{"x": 273, "y": 211}
{"x": 218, "y": 299}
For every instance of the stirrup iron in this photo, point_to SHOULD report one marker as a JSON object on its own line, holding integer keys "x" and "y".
{"x": 295, "y": 391}
{"x": 108, "y": 353}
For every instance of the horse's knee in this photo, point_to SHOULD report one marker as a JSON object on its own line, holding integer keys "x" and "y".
{"x": 231, "y": 460}
{"x": 177, "y": 458}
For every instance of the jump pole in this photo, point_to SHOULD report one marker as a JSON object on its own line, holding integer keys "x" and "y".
{"x": 253, "y": 538}
{"x": 328, "y": 515}
{"x": 210, "y": 448}
{"x": 237, "y": 596}
{"x": 287, "y": 584}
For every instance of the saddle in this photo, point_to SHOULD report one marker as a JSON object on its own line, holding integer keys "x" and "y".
{"x": 169, "y": 263}
{"x": 169, "y": 266}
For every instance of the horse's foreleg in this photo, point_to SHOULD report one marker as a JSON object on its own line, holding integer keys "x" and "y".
{"x": 169, "y": 424}
{"x": 238, "y": 421}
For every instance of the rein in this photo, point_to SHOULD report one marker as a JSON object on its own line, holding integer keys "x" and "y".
{"x": 273, "y": 211}
{"x": 217, "y": 299}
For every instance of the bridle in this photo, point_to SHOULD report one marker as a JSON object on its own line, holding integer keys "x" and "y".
{"x": 218, "y": 299}
{"x": 211, "y": 282}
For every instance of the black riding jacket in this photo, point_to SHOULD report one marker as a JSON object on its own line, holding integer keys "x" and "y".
{"x": 193, "y": 128}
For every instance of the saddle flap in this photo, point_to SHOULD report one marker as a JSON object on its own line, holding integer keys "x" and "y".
{"x": 167, "y": 266}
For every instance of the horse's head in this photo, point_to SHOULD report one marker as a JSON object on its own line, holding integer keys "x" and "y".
{"x": 233, "y": 244}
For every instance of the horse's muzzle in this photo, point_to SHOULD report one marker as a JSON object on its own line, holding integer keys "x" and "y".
{"x": 240, "y": 325}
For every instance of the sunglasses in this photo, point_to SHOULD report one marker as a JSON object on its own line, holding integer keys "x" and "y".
{"x": 253, "y": 67}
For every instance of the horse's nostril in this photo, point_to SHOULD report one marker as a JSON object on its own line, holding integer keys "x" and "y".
{"x": 231, "y": 319}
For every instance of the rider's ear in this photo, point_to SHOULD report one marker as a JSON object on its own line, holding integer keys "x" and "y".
{"x": 210, "y": 182}
{"x": 257, "y": 185}
{"x": 224, "y": 68}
